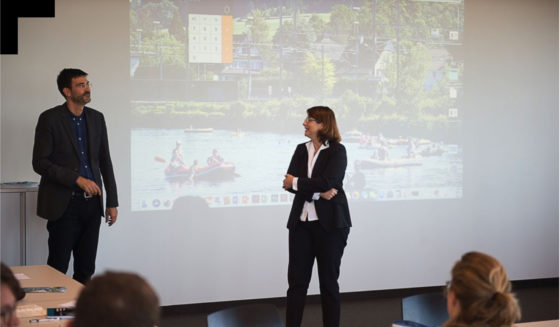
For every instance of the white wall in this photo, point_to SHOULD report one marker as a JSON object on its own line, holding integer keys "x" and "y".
{"x": 510, "y": 202}
{"x": 84, "y": 34}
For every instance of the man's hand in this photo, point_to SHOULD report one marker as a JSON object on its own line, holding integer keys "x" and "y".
{"x": 88, "y": 186}
{"x": 288, "y": 180}
{"x": 111, "y": 215}
{"x": 329, "y": 194}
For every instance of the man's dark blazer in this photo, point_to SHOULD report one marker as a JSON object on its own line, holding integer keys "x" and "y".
{"x": 328, "y": 172}
{"x": 55, "y": 158}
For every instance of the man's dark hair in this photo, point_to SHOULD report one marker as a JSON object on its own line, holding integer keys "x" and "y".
{"x": 10, "y": 280}
{"x": 65, "y": 77}
{"x": 117, "y": 299}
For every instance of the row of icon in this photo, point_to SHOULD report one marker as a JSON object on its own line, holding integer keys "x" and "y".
{"x": 248, "y": 199}
{"x": 287, "y": 198}
{"x": 226, "y": 200}
{"x": 444, "y": 193}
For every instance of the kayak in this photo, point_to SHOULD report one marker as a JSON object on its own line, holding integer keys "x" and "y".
{"x": 429, "y": 152}
{"x": 389, "y": 163}
{"x": 199, "y": 130}
{"x": 214, "y": 172}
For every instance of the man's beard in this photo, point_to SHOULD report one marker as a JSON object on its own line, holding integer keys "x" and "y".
{"x": 82, "y": 98}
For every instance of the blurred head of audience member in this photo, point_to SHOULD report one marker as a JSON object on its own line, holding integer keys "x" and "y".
{"x": 479, "y": 293}
{"x": 117, "y": 299}
{"x": 10, "y": 293}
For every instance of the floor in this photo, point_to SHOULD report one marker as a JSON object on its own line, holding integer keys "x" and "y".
{"x": 370, "y": 309}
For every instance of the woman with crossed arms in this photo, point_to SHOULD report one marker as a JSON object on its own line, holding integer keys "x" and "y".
{"x": 319, "y": 221}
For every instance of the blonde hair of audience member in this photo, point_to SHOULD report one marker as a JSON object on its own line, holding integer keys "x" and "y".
{"x": 10, "y": 293}
{"x": 479, "y": 293}
{"x": 117, "y": 299}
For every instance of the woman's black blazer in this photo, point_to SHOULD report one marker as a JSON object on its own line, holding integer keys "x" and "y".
{"x": 327, "y": 173}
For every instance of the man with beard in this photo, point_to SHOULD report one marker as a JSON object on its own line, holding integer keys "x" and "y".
{"x": 71, "y": 153}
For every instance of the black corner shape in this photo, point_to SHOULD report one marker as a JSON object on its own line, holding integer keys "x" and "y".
{"x": 13, "y": 9}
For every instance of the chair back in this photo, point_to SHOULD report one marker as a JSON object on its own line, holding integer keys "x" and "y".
{"x": 251, "y": 315}
{"x": 429, "y": 309}
{"x": 406, "y": 323}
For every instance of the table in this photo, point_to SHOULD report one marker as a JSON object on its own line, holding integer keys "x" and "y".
{"x": 545, "y": 323}
{"x": 44, "y": 275}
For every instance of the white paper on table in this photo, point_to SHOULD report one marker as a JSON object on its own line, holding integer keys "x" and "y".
{"x": 70, "y": 304}
{"x": 21, "y": 276}
{"x": 30, "y": 310}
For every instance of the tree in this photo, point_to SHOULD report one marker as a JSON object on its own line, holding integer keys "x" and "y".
{"x": 365, "y": 17}
{"x": 177, "y": 28}
{"x": 406, "y": 85}
{"x": 164, "y": 50}
{"x": 259, "y": 33}
{"x": 154, "y": 16}
{"x": 299, "y": 38}
{"x": 133, "y": 26}
{"x": 318, "y": 77}
{"x": 259, "y": 27}
{"x": 341, "y": 24}
{"x": 318, "y": 25}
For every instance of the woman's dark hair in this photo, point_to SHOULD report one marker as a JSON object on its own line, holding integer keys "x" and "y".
{"x": 325, "y": 115}
{"x": 482, "y": 287}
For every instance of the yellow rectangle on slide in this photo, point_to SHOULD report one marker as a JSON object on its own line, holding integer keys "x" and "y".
{"x": 227, "y": 39}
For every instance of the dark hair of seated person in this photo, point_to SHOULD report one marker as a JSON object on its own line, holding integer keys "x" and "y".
{"x": 10, "y": 280}
{"x": 117, "y": 299}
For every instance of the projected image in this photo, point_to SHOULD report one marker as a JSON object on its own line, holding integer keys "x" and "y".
{"x": 220, "y": 90}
